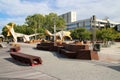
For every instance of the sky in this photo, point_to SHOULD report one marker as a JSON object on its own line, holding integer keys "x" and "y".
{"x": 17, "y": 10}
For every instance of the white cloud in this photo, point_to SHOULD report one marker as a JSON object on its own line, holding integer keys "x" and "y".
{"x": 87, "y": 8}
{"x": 18, "y": 10}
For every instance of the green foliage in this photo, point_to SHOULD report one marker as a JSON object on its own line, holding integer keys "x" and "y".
{"x": 36, "y": 20}
{"x": 52, "y": 19}
{"x": 24, "y": 29}
{"x": 81, "y": 34}
{"x": 49, "y": 21}
{"x": 4, "y": 31}
{"x": 117, "y": 35}
{"x": 106, "y": 34}
{"x": 40, "y": 30}
{"x": 37, "y": 23}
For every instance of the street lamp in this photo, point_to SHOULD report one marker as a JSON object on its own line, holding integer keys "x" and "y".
{"x": 93, "y": 24}
{"x": 54, "y": 19}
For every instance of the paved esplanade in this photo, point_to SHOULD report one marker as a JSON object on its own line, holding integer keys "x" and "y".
{"x": 56, "y": 67}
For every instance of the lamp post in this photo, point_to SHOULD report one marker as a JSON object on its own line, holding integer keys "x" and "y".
{"x": 54, "y": 28}
{"x": 35, "y": 32}
{"x": 35, "y": 24}
{"x": 93, "y": 24}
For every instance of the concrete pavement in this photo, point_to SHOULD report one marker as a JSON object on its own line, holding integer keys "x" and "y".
{"x": 110, "y": 54}
{"x": 58, "y": 67}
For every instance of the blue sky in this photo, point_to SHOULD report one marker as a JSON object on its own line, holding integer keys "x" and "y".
{"x": 17, "y": 10}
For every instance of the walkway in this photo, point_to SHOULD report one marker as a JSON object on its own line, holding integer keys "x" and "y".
{"x": 111, "y": 54}
{"x": 56, "y": 67}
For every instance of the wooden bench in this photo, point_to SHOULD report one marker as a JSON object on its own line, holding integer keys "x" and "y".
{"x": 45, "y": 45}
{"x": 25, "y": 58}
{"x": 51, "y": 46}
{"x": 57, "y": 46}
{"x": 15, "y": 49}
{"x": 70, "y": 50}
{"x": 87, "y": 54}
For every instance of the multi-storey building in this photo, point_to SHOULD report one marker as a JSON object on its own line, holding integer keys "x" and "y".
{"x": 69, "y": 17}
{"x": 91, "y": 22}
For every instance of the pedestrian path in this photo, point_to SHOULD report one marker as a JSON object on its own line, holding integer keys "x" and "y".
{"x": 2, "y": 45}
{"x": 56, "y": 67}
{"x": 110, "y": 54}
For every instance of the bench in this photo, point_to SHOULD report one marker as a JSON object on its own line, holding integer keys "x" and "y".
{"x": 57, "y": 46}
{"x": 45, "y": 45}
{"x": 87, "y": 54}
{"x": 51, "y": 46}
{"x": 71, "y": 50}
{"x": 25, "y": 58}
{"x": 15, "y": 49}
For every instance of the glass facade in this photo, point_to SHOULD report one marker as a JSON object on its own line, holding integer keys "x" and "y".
{"x": 87, "y": 23}
{"x": 79, "y": 24}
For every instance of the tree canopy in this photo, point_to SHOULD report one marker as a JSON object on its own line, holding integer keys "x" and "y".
{"x": 45, "y": 21}
{"x": 37, "y": 23}
{"x": 81, "y": 34}
{"x": 107, "y": 34}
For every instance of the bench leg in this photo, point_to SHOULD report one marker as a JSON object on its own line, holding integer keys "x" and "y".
{"x": 35, "y": 62}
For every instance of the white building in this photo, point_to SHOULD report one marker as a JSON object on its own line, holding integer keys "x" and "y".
{"x": 69, "y": 17}
{"x": 91, "y": 22}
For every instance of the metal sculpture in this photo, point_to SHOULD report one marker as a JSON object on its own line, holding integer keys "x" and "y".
{"x": 61, "y": 34}
{"x": 15, "y": 35}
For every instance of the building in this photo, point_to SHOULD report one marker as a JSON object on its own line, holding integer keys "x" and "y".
{"x": 69, "y": 17}
{"x": 91, "y": 22}
{"x": 117, "y": 28}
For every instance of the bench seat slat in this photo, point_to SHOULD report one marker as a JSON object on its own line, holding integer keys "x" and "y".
{"x": 26, "y": 55}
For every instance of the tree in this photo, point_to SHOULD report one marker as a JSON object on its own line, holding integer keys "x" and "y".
{"x": 36, "y": 20}
{"x": 4, "y": 31}
{"x": 37, "y": 23}
{"x": 81, "y": 34}
{"x": 106, "y": 34}
{"x": 118, "y": 36}
{"x": 52, "y": 19}
{"x": 24, "y": 29}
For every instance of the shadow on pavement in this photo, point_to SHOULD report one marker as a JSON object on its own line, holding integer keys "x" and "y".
{"x": 115, "y": 68}
{"x": 15, "y": 62}
{"x": 58, "y": 55}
